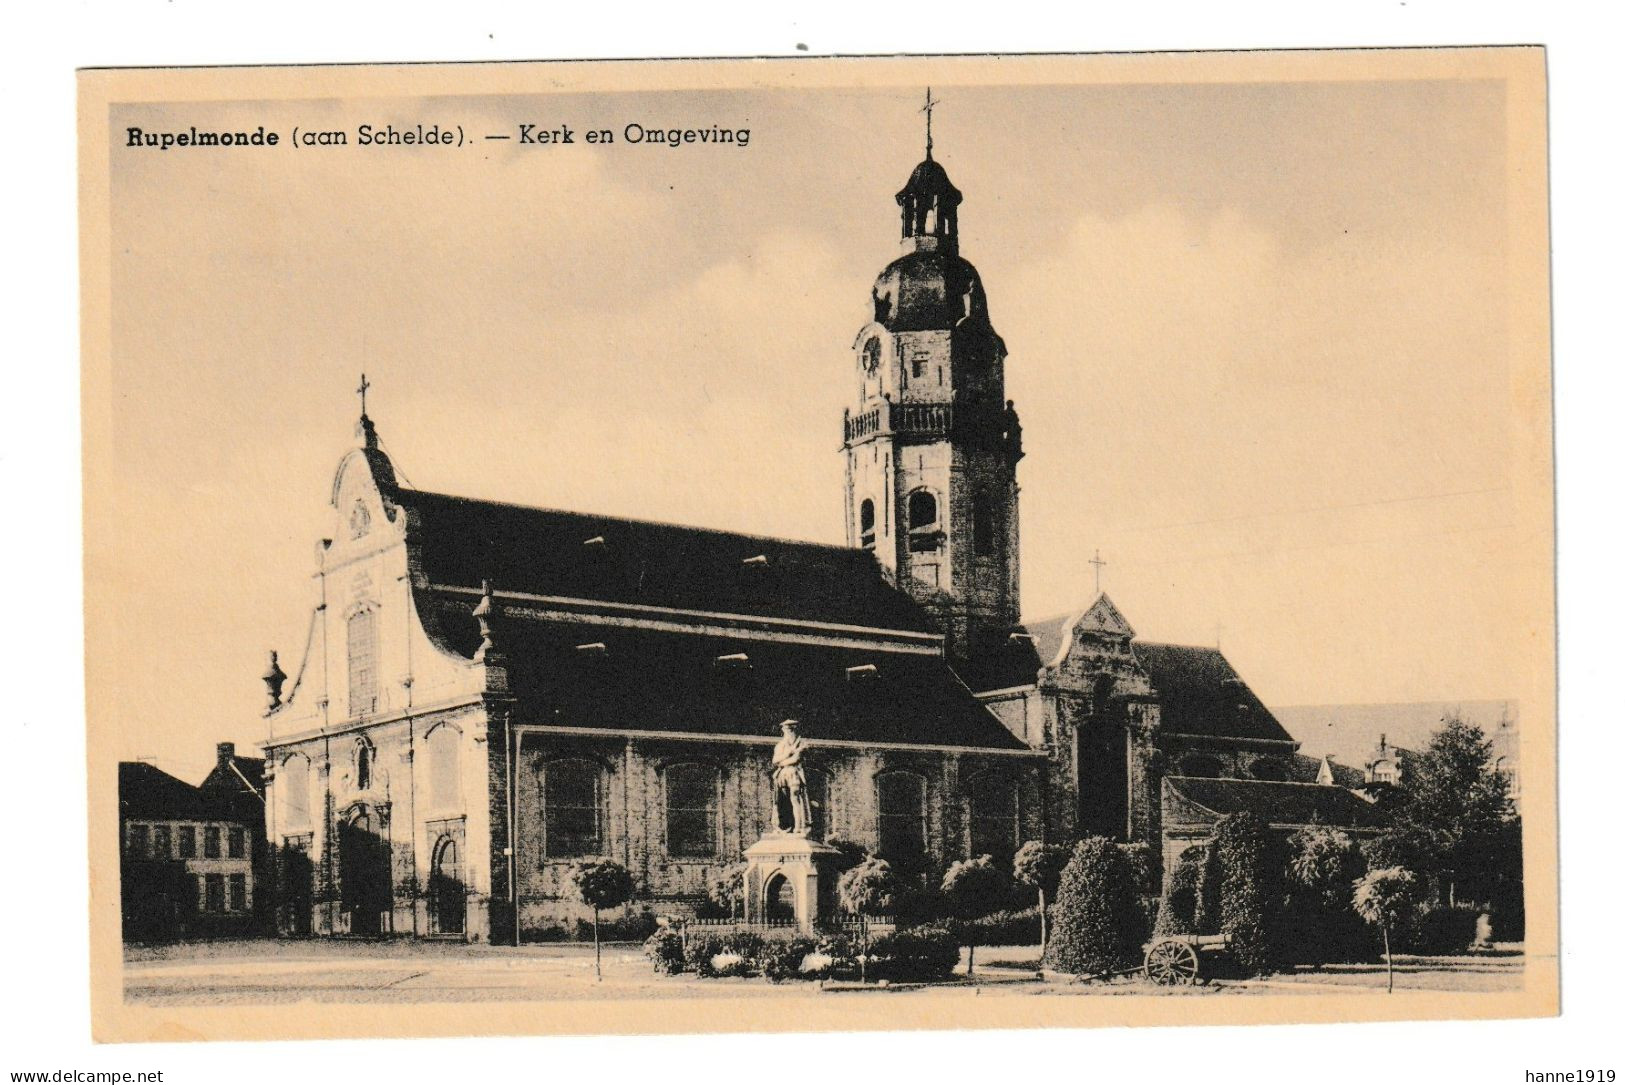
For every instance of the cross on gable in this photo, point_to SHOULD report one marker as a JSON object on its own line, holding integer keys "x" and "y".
{"x": 361, "y": 390}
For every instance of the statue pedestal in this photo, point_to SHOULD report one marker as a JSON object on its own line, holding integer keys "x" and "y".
{"x": 789, "y": 876}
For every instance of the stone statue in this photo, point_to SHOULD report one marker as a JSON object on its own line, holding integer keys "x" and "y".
{"x": 791, "y": 779}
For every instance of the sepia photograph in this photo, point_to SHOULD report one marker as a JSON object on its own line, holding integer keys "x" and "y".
{"x": 689, "y": 546}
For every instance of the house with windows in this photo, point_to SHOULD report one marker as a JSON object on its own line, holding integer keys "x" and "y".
{"x": 489, "y": 693}
{"x": 189, "y": 853}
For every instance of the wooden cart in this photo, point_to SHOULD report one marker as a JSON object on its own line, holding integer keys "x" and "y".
{"x": 1183, "y": 958}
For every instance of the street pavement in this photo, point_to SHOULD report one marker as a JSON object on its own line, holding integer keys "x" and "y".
{"x": 270, "y": 973}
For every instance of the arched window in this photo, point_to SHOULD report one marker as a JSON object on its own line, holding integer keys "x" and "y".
{"x": 866, "y": 524}
{"x": 691, "y": 811}
{"x": 923, "y": 533}
{"x": 1385, "y": 772}
{"x": 995, "y": 817}
{"x": 871, "y": 354}
{"x": 361, "y": 637}
{"x": 901, "y": 822}
{"x": 1267, "y": 768}
{"x": 445, "y": 761}
{"x": 1201, "y": 765}
{"x": 984, "y": 527}
{"x": 572, "y": 808}
{"x": 293, "y": 784}
{"x": 365, "y": 755}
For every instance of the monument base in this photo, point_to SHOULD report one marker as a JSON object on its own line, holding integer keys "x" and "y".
{"x": 789, "y": 877}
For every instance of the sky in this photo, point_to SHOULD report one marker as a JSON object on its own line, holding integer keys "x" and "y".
{"x": 1257, "y": 335}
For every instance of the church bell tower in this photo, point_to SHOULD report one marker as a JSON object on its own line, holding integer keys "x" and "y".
{"x": 932, "y": 444}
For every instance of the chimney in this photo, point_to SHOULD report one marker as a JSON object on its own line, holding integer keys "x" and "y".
{"x": 224, "y": 752}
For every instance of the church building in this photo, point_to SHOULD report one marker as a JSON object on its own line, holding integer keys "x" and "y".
{"x": 490, "y": 693}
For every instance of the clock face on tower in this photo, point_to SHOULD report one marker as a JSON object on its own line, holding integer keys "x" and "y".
{"x": 871, "y": 355}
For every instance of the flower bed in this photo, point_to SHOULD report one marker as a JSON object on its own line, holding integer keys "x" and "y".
{"x": 920, "y": 954}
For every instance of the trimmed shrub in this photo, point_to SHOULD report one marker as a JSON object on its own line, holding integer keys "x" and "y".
{"x": 1251, "y": 891}
{"x": 1012, "y": 927}
{"x": 748, "y": 944}
{"x": 780, "y": 959}
{"x": 1209, "y": 885}
{"x": 699, "y": 950}
{"x": 1099, "y": 926}
{"x": 632, "y": 927}
{"x": 918, "y": 954}
{"x": 1143, "y": 863}
{"x": 664, "y": 948}
{"x": 1445, "y": 930}
{"x": 1177, "y": 912}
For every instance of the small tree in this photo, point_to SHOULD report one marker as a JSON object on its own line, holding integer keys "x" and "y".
{"x": 1039, "y": 865}
{"x": 727, "y": 890}
{"x": 973, "y": 888}
{"x": 1098, "y": 922}
{"x": 868, "y": 889}
{"x": 601, "y": 885}
{"x": 1388, "y": 898}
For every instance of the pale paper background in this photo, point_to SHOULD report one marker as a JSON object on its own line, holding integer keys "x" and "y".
{"x": 251, "y": 415}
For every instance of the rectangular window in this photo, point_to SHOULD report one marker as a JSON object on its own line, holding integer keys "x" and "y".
{"x": 211, "y": 842}
{"x": 236, "y": 840}
{"x": 188, "y": 838}
{"x": 362, "y": 640}
{"x": 237, "y": 886}
{"x": 571, "y": 803}
{"x": 160, "y": 841}
{"x": 902, "y": 819}
{"x": 691, "y": 811}
{"x": 138, "y": 841}
{"x": 214, "y": 892}
{"x": 919, "y": 365}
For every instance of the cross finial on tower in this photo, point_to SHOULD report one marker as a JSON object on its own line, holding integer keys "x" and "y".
{"x": 1098, "y": 564}
{"x": 361, "y": 390}
{"x": 930, "y": 104}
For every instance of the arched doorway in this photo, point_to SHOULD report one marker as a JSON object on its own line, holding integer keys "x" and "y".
{"x": 448, "y": 899}
{"x": 364, "y": 882}
{"x": 778, "y": 900}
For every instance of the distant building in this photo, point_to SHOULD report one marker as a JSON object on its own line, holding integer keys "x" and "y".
{"x": 1383, "y": 739}
{"x": 189, "y": 854}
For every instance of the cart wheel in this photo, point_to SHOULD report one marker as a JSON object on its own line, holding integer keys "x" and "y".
{"x": 1171, "y": 961}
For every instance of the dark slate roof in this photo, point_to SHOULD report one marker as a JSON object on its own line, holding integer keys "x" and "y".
{"x": 252, "y": 770}
{"x": 1279, "y": 803}
{"x": 1048, "y": 634}
{"x": 1306, "y": 769}
{"x": 146, "y": 791}
{"x": 926, "y": 290}
{"x": 461, "y": 542}
{"x": 930, "y": 179}
{"x": 1201, "y": 694}
{"x": 662, "y": 681}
